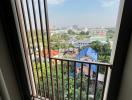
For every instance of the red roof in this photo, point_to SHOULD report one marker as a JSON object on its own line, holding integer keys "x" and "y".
{"x": 52, "y": 52}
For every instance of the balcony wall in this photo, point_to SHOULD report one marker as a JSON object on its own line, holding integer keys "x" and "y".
{"x": 126, "y": 85}
{"x": 8, "y": 85}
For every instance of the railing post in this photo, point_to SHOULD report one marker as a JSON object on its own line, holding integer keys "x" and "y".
{"x": 48, "y": 42}
{"x": 26, "y": 47}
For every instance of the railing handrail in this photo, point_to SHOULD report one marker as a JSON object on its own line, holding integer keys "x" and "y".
{"x": 88, "y": 62}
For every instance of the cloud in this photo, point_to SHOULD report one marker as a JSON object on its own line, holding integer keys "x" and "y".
{"x": 55, "y": 2}
{"x": 108, "y": 3}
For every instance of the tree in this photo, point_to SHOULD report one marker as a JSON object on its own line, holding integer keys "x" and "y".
{"x": 103, "y": 56}
{"x": 103, "y": 50}
{"x": 65, "y": 37}
{"x": 55, "y": 46}
{"x": 65, "y": 77}
{"x": 87, "y": 33}
{"x": 71, "y": 32}
{"x": 110, "y": 33}
{"x": 55, "y": 38}
{"x": 82, "y": 33}
{"x": 81, "y": 37}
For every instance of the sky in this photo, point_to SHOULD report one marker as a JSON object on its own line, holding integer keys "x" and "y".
{"x": 84, "y": 13}
{"x": 92, "y": 13}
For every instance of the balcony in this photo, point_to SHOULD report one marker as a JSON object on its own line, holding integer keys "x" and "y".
{"x": 65, "y": 79}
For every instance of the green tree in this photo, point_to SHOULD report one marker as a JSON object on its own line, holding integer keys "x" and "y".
{"x": 71, "y": 32}
{"x": 103, "y": 50}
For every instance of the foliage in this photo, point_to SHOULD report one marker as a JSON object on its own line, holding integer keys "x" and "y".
{"x": 110, "y": 34}
{"x": 43, "y": 81}
{"x": 103, "y": 50}
{"x": 71, "y": 32}
{"x": 82, "y": 37}
{"x": 57, "y": 41}
{"x": 41, "y": 77}
{"x": 84, "y": 33}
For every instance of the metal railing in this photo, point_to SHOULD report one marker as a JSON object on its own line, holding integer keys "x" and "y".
{"x": 74, "y": 80}
{"x": 55, "y": 78}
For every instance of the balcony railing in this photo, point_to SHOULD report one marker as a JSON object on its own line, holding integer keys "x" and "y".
{"x": 72, "y": 80}
{"x": 55, "y": 78}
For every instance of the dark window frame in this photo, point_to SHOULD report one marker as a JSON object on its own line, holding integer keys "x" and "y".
{"x": 12, "y": 38}
{"x": 121, "y": 50}
{"x": 8, "y": 21}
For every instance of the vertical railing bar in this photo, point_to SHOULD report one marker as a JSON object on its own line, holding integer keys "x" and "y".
{"x": 38, "y": 45}
{"x": 68, "y": 80}
{"x": 62, "y": 79}
{"x": 88, "y": 80}
{"x": 106, "y": 72}
{"x": 27, "y": 38}
{"x": 26, "y": 30}
{"x": 44, "y": 91}
{"x": 74, "y": 80}
{"x": 33, "y": 43}
{"x": 43, "y": 42}
{"x": 36, "y": 28}
{"x": 57, "y": 79}
{"x": 52, "y": 78}
{"x": 81, "y": 81}
{"x": 48, "y": 41}
{"x": 96, "y": 83}
{"x": 23, "y": 42}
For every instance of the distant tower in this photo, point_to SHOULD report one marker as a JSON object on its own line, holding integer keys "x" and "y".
{"x": 75, "y": 27}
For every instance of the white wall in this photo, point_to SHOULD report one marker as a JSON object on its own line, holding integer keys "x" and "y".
{"x": 126, "y": 86}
